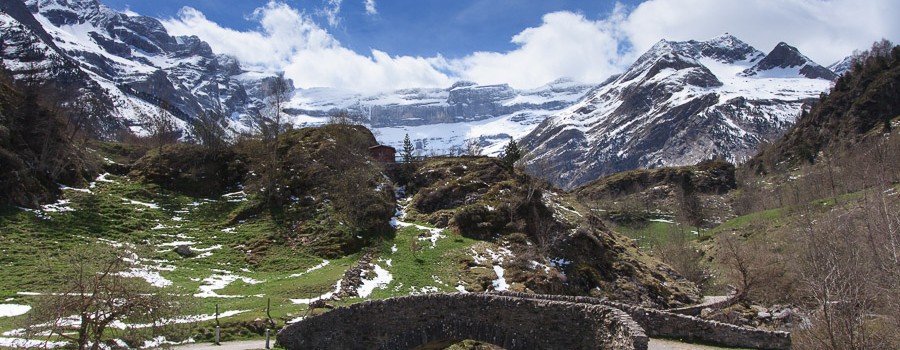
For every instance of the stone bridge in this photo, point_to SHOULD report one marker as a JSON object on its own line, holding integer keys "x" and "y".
{"x": 512, "y": 321}
{"x": 435, "y": 321}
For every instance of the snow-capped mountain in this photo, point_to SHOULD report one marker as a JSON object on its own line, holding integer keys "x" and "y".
{"x": 443, "y": 121}
{"x": 786, "y": 61}
{"x": 131, "y": 60}
{"x": 679, "y": 103}
{"x": 842, "y": 66}
{"x": 134, "y": 65}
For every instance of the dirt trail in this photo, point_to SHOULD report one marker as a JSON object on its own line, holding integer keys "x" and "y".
{"x": 665, "y": 344}
{"x": 655, "y": 344}
{"x": 232, "y": 345}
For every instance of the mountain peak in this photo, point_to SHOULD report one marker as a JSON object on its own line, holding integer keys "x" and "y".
{"x": 727, "y": 48}
{"x": 785, "y": 60}
{"x": 726, "y": 39}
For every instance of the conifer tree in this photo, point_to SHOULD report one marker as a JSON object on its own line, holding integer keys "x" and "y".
{"x": 407, "y": 152}
{"x": 512, "y": 153}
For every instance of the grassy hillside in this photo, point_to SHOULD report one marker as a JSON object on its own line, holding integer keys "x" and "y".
{"x": 200, "y": 222}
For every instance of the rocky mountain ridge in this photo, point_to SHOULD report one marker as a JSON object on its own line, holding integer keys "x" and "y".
{"x": 131, "y": 61}
{"x": 679, "y": 103}
{"x": 443, "y": 120}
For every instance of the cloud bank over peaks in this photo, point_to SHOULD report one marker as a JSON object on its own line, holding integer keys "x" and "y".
{"x": 291, "y": 42}
{"x": 824, "y": 30}
{"x": 564, "y": 44}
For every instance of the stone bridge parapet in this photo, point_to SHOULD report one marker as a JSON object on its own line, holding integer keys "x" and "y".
{"x": 663, "y": 324}
{"x": 436, "y": 320}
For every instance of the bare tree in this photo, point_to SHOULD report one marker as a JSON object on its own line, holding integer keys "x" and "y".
{"x": 207, "y": 128}
{"x": 680, "y": 254}
{"x": 473, "y": 147}
{"x": 160, "y": 127}
{"x": 341, "y": 116}
{"x": 98, "y": 297}
{"x": 747, "y": 263}
{"x": 270, "y": 126}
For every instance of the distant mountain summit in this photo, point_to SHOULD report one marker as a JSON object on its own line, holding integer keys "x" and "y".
{"x": 787, "y": 61}
{"x": 443, "y": 120}
{"x": 679, "y": 103}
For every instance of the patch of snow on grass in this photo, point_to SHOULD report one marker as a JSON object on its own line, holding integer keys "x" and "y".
{"x": 179, "y": 319}
{"x": 65, "y": 188}
{"x": 382, "y": 279}
{"x": 10, "y": 310}
{"x": 145, "y": 273}
{"x": 161, "y": 340}
{"x": 102, "y": 178}
{"x": 326, "y": 296}
{"x": 500, "y": 283}
{"x": 295, "y": 320}
{"x": 311, "y": 269}
{"x": 203, "y": 255}
{"x": 535, "y": 265}
{"x": 176, "y": 243}
{"x": 29, "y": 343}
{"x": 215, "y": 282}
{"x": 497, "y": 259}
{"x": 239, "y": 196}
{"x": 61, "y": 205}
{"x": 148, "y": 205}
{"x": 434, "y": 233}
{"x": 667, "y": 221}
{"x": 424, "y": 290}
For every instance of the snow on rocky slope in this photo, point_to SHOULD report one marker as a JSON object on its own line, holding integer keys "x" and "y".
{"x": 129, "y": 61}
{"x": 679, "y": 103}
{"x": 443, "y": 121}
{"x": 134, "y": 65}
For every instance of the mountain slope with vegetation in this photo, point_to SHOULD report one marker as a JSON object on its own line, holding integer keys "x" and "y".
{"x": 38, "y": 148}
{"x": 862, "y": 105}
{"x": 554, "y": 245}
{"x": 807, "y": 240}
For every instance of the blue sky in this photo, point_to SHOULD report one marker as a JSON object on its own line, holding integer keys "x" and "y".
{"x": 418, "y": 28}
{"x": 384, "y": 45}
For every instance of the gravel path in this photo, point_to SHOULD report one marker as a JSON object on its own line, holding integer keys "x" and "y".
{"x": 665, "y": 344}
{"x": 655, "y": 344}
{"x": 232, "y": 345}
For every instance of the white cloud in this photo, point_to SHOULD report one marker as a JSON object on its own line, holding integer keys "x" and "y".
{"x": 566, "y": 44}
{"x": 370, "y": 7}
{"x": 292, "y": 42}
{"x": 331, "y": 12}
{"x": 824, "y": 30}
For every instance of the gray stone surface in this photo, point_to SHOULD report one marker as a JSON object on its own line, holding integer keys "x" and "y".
{"x": 432, "y": 321}
{"x": 663, "y": 324}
